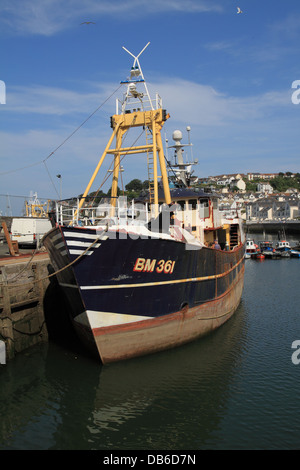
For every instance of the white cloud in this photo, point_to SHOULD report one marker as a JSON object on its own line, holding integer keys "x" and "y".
{"x": 204, "y": 106}
{"x": 56, "y": 101}
{"x": 221, "y": 46}
{"x": 288, "y": 26}
{"x": 47, "y": 17}
{"x": 224, "y": 127}
{"x": 23, "y": 168}
{"x": 187, "y": 100}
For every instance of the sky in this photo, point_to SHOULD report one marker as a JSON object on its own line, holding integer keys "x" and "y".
{"x": 233, "y": 78}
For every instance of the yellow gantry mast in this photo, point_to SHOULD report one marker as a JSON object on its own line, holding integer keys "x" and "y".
{"x": 35, "y": 209}
{"x": 137, "y": 110}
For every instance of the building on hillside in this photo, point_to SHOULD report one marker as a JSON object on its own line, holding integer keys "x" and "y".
{"x": 292, "y": 192}
{"x": 224, "y": 181}
{"x": 264, "y": 187}
{"x": 273, "y": 209}
{"x": 263, "y": 176}
{"x": 238, "y": 183}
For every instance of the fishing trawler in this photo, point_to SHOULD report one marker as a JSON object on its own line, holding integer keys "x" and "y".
{"x": 156, "y": 273}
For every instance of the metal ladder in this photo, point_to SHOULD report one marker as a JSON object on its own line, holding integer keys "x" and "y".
{"x": 150, "y": 163}
{"x": 234, "y": 238}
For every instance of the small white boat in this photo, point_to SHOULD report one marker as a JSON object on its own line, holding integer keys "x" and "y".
{"x": 295, "y": 254}
{"x": 283, "y": 245}
{"x": 251, "y": 248}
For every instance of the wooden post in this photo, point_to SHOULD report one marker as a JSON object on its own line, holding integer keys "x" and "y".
{"x": 6, "y": 324}
{"x": 9, "y": 242}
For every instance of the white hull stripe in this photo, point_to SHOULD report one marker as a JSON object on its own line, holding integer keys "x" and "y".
{"x": 80, "y": 252}
{"x": 81, "y": 235}
{"x": 74, "y": 243}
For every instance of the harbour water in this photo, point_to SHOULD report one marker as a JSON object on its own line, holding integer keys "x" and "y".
{"x": 234, "y": 389}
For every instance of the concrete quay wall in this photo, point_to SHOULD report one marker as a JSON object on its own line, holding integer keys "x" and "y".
{"x": 273, "y": 226}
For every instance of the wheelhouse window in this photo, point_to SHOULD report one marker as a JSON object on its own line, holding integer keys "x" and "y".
{"x": 215, "y": 203}
{"x": 204, "y": 208}
{"x": 192, "y": 203}
{"x": 181, "y": 204}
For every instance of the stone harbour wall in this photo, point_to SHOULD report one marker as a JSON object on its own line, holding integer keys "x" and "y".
{"x": 23, "y": 285}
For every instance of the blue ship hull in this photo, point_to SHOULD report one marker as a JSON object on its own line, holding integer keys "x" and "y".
{"x": 121, "y": 285}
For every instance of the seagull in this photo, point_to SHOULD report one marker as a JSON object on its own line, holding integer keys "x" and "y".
{"x": 88, "y": 22}
{"x": 239, "y": 10}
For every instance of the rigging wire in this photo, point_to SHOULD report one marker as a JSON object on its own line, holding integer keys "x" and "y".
{"x": 62, "y": 143}
{"x": 51, "y": 179}
{"x": 108, "y": 173}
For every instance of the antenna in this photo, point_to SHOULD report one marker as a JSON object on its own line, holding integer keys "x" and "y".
{"x": 136, "y": 69}
{"x": 135, "y": 72}
{"x": 136, "y": 58}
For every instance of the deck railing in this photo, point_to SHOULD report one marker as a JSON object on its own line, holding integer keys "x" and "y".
{"x": 69, "y": 213}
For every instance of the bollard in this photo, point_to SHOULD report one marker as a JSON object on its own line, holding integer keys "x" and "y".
{"x": 2, "y": 352}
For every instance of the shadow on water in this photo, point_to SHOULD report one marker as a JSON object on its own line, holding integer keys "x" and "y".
{"x": 54, "y": 397}
{"x": 58, "y": 318}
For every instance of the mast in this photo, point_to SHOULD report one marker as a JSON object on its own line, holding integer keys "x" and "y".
{"x": 182, "y": 169}
{"x": 137, "y": 110}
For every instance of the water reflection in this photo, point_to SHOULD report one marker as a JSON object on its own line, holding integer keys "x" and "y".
{"x": 56, "y": 398}
{"x": 236, "y": 388}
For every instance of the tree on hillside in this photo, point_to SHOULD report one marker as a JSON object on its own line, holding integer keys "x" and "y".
{"x": 93, "y": 198}
{"x": 282, "y": 183}
{"x": 118, "y": 192}
{"x": 134, "y": 185}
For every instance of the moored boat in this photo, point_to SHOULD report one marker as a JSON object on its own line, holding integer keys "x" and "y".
{"x": 266, "y": 248}
{"x": 258, "y": 255}
{"x": 156, "y": 273}
{"x": 251, "y": 248}
{"x": 283, "y": 245}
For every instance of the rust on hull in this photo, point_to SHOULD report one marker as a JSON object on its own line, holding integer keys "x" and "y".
{"x": 156, "y": 272}
{"x": 120, "y": 342}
